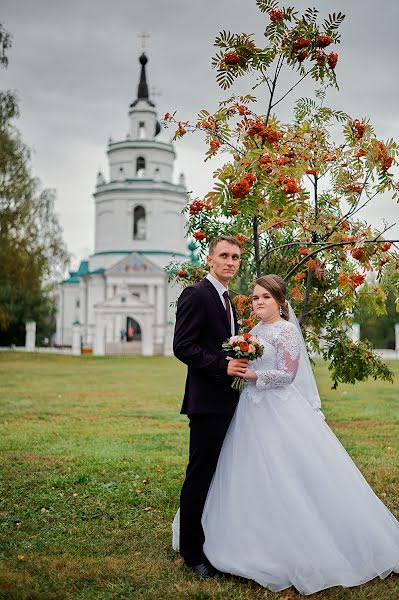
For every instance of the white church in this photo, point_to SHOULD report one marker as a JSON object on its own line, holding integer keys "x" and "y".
{"x": 119, "y": 299}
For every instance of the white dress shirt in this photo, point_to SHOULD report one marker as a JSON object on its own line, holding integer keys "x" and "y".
{"x": 220, "y": 290}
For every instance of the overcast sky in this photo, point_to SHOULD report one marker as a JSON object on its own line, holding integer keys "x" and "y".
{"x": 75, "y": 67}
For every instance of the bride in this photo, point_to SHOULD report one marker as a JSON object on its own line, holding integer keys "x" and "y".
{"x": 287, "y": 506}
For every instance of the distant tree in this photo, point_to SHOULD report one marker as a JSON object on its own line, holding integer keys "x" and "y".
{"x": 32, "y": 251}
{"x": 380, "y": 330}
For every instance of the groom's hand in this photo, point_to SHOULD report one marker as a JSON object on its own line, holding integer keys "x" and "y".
{"x": 237, "y": 367}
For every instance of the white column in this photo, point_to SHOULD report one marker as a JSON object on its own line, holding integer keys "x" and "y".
{"x": 76, "y": 338}
{"x": 397, "y": 337}
{"x": 99, "y": 340}
{"x": 354, "y": 332}
{"x": 151, "y": 294}
{"x": 147, "y": 347}
{"x": 168, "y": 345}
{"x": 30, "y": 336}
{"x": 110, "y": 330}
{"x": 90, "y": 335}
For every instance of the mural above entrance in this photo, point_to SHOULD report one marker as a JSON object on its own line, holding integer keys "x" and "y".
{"x": 134, "y": 263}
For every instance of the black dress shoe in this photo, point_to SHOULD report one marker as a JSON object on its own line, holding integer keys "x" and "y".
{"x": 201, "y": 571}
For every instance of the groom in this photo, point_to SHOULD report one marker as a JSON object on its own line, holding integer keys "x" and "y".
{"x": 206, "y": 318}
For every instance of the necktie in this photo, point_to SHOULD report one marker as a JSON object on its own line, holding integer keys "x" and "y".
{"x": 227, "y": 303}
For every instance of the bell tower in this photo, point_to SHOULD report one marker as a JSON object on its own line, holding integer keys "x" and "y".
{"x": 138, "y": 209}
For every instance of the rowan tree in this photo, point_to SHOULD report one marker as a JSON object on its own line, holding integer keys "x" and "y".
{"x": 293, "y": 192}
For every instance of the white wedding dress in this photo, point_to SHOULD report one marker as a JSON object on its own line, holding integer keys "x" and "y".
{"x": 287, "y": 505}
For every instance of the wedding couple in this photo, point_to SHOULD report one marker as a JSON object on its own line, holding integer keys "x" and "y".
{"x": 270, "y": 494}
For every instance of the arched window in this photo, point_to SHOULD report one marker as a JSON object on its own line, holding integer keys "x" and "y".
{"x": 139, "y": 223}
{"x": 140, "y": 166}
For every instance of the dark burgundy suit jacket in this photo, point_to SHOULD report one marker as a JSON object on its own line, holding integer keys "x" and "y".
{"x": 201, "y": 328}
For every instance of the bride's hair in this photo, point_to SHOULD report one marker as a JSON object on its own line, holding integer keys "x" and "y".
{"x": 276, "y": 286}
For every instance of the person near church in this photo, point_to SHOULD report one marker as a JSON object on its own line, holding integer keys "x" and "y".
{"x": 205, "y": 318}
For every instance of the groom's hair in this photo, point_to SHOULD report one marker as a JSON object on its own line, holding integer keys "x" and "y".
{"x": 223, "y": 238}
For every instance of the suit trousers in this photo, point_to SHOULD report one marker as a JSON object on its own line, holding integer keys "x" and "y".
{"x": 207, "y": 433}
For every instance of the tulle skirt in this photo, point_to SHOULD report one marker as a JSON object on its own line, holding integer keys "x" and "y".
{"x": 287, "y": 505}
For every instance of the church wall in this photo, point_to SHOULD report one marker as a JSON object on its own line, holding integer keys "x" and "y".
{"x": 95, "y": 295}
{"x": 123, "y": 163}
{"x": 69, "y": 312}
{"x": 164, "y": 223}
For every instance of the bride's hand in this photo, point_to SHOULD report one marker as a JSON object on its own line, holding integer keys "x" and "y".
{"x": 250, "y": 375}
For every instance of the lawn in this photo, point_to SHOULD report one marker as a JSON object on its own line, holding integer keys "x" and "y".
{"x": 92, "y": 457}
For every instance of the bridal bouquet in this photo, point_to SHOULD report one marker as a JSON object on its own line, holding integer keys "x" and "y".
{"x": 242, "y": 346}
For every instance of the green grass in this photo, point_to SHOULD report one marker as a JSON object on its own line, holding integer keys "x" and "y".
{"x": 87, "y": 444}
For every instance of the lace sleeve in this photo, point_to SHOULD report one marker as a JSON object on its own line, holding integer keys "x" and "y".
{"x": 288, "y": 351}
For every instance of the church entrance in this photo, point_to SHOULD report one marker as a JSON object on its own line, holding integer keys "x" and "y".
{"x": 133, "y": 330}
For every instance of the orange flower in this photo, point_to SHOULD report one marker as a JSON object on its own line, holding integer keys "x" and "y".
{"x": 275, "y": 15}
{"x": 386, "y": 163}
{"x": 246, "y": 336}
{"x": 297, "y": 293}
{"x": 244, "y": 346}
{"x": 265, "y": 159}
{"x": 342, "y": 279}
{"x": 352, "y": 187}
{"x": 359, "y": 129}
{"x": 257, "y": 128}
{"x": 243, "y": 110}
{"x": 323, "y": 41}
{"x": 311, "y": 264}
{"x": 249, "y": 323}
{"x": 196, "y": 206}
{"x": 199, "y": 235}
{"x": 357, "y": 253}
{"x": 250, "y": 177}
{"x": 282, "y": 160}
{"x": 242, "y": 302}
{"x": 291, "y": 186}
{"x": 272, "y": 135}
{"x": 385, "y": 247}
{"x": 332, "y": 59}
{"x": 357, "y": 279}
{"x": 214, "y": 144}
{"x": 231, "y": 58}
{"x": 301, "y": 43}
{"x": 299, "y": 276}
{"x": 241, "y": 188}
{"x": 182, "y": 273}
{"x": 302, "y": 55}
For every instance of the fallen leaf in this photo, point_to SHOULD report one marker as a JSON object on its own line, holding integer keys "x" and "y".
{"x": 178, "y": 588}
{"x": 148, "y": 509}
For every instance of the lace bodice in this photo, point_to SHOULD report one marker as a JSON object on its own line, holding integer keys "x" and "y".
{"x": 279, "y": 363}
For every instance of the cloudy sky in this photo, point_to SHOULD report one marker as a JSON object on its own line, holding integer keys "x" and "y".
{"x": 75, "y": 67}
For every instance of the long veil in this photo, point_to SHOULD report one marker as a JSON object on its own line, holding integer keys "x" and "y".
{"x": 304, "y": 381}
